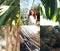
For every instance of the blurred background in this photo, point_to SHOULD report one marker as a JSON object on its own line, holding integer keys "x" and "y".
{"x": 50, "y": 12}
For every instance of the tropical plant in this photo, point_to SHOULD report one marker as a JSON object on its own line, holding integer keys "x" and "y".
{"x": 51, "y": 10}
{"x": 12, "y": 13}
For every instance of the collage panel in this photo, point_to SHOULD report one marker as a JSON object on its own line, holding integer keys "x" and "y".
{"x": 49, "y": 12}
{"x": 30, "y": 12}
{"x": 29, "y": 38}
{"x": 50, "y": 38}
{"x": 9, "y": 15}
{"x": 9, "y": 38}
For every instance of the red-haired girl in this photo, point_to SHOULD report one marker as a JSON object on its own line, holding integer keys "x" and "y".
{"x": 32, "y": 18}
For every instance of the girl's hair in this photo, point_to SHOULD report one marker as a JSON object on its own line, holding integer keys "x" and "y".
{"x": 34, "y": 15}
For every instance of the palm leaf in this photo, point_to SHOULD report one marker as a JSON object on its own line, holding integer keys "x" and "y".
{"x": 10, "y": 12}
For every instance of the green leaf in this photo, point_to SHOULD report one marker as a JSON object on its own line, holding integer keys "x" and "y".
{"x": 6, "y": 15}
{"x": 50, "y": 7}
{"x": 1, "y": 1}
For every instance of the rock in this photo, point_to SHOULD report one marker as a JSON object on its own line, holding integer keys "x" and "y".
{"x": 50, "y": 37}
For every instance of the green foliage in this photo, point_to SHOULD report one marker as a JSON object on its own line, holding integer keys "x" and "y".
{"x": 10, "y": 14}
{"x": 12, "y": 2}
{"x": 37, "y": 8}
{"x": 50, "y": 7}
{"x": 51, "y": 10}
{"x": 14, "y": 16}
{"x": 1, "y": 1}
{"x": 58, "y": 15}
{"x": 6, "y": 15}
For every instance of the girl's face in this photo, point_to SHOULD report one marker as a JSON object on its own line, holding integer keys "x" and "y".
{"x": 32, "y": 12}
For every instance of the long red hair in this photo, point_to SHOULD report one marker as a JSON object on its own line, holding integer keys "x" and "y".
{"x": 34, "y": 15}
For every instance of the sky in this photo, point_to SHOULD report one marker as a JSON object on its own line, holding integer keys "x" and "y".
{"x": 28, "y": 3}
{"x": 58, "y": 3}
